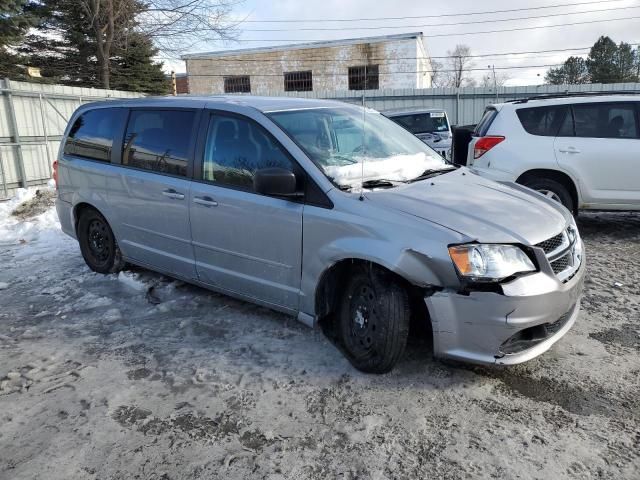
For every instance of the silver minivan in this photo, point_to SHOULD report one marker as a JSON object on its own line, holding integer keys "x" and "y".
{"x": 326, "y": 211}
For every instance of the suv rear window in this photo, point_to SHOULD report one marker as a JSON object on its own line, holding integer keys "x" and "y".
{"x": 487, "y": 119}
{"x": 159, "y": 140}
{"x": 542, "y": 121}
{"x": 91, "y": 135}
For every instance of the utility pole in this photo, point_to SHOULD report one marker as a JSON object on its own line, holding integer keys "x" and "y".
{"x": 495, "y": 81}
{"x": 174, "y": 85}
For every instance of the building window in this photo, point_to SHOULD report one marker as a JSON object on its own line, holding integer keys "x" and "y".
{"x": 237, "y": 84}
{"x": 298, "y": 81}
{"x": 364, "y": 78}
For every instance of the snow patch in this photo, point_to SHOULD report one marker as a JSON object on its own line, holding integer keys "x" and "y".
{"x": 397, "y": 167}
{"x": 131, "y": 280}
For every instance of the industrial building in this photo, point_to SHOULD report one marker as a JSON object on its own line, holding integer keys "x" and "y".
{"x": 372, "y": 63}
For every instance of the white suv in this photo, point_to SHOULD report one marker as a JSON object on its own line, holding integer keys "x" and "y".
{"x": 583, "y": 151}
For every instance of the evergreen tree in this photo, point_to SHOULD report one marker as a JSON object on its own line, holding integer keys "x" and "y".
{"x": 602, "y": 62}
{"x": 16, "y": 17}
{"x": 573, "y": 71}
{"x": 134, "y": 69}
{"x": 67, "y": 49}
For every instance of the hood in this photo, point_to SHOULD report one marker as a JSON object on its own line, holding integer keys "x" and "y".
{"x": 478, "y": 208}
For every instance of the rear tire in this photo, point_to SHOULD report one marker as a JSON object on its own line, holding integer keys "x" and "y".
{"x": 553, "y": 190}
{"x": 98, "y": 244}
{"x": 373, "y": 321}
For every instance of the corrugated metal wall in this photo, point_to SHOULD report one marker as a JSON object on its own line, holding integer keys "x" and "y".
{"x": 464, "y": 106}
{"x": 32, "y": 120}
{"x": 33, "y": 116}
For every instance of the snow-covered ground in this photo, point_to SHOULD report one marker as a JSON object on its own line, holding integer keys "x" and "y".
{"x": 104, "y": 377}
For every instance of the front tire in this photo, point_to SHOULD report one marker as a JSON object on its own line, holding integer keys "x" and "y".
{"x": 374, "y": 320}
{"x": 552, "y": 189}
{"x": 98, "y": 244}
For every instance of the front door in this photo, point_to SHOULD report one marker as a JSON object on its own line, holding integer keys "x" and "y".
{"x": 151, "y": 194}
{"x": 602, "y": 151}
{"x": 244, "y": 242}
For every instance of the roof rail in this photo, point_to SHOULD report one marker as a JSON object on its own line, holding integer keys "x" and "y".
{"x": 575, "y": 94}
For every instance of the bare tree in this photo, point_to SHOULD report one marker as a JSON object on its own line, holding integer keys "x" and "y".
{"x": 106, "y": 18}
{"x": 173, "y": 25}
{"x": 177, "y": 25}
{"x": 438, "y": 77}
{"x": 488, "y": 81}
{"x": 459, "y": 63}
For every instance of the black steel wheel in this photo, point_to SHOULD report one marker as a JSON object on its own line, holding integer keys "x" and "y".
{"x": 98, "y": 244}
{"x": 374, "y": 320}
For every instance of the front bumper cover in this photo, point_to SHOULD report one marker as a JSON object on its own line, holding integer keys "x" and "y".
{"x": 473, "y": 327}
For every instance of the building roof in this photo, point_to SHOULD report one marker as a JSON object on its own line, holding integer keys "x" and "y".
{"x": 303, "y": 46}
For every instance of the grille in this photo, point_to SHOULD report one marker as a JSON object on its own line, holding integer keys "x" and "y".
{"x": 551, "y": 244}
{"x": 561, "y": 264}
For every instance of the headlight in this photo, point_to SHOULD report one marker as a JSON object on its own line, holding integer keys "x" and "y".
{"x": 486, "y": 262}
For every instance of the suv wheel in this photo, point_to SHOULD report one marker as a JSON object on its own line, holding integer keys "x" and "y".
{"x": 374, "y": 320}
{"x": 98, "y": 244}
{"x": 553, "y": 190}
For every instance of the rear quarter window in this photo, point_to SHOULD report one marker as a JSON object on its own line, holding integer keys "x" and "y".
{"x": 542, "y": 121}
{"x": 487, "y": 119}
{"x": 92, "y": 134}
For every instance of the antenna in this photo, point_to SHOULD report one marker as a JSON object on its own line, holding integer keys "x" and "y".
{"x": 364, "y": 145}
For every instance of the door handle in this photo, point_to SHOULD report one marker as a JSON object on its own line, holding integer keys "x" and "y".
{"x": 171, "y": 193}
{"x": 569, "y": 150}
{"x": 206, "y": 201}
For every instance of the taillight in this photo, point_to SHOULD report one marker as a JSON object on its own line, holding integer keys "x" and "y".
{"x": 55, "y": 172}
{"x": 484, "y": 144}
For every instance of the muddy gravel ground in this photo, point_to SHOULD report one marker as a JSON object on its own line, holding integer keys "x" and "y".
{"x": 137, "y": 376}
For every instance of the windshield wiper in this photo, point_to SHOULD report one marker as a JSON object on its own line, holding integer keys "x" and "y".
{"x": 381, "y": 182}
{"x": 375, "y": 183}
{"x": 432, "y": 173}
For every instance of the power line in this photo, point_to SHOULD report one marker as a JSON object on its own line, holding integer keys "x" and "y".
{"x": 457, "y": 34}
{"x": 413, "y": 17}
{"x": 438, "y": 25}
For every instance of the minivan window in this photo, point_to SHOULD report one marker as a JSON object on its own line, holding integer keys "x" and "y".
{"x": 542, "y": 121}
{"x": 431, "y": 122}
{"x": 91, "y": 135}
{"x": 159, "y": 140}
{"x": 355, "y": 147}
{"x": 605, "y": 120}
{"x": 236, "y": 148}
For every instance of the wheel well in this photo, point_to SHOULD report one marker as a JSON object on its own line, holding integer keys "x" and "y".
{"x": 334, "y": 279}
{"x": 559, "y": 177}
{"x": 77, "y": 211}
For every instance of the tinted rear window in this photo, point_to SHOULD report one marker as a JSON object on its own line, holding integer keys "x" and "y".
{"x": 423, "y": 122}
{"x": 542, "y": 121}
{"x": 159, "y": 140}
{"x": 487, "y": 119}
{"x": 91, "y": 135}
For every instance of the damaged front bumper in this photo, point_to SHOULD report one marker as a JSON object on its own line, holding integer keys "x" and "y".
{"x": 525, "y": 320}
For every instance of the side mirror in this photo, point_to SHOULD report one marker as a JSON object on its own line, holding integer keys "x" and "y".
{"x": 275, "y": 181}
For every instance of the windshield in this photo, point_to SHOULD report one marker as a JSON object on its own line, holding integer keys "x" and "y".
{"x": 432, "y": 122}
{"x": 354, "y": 149}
